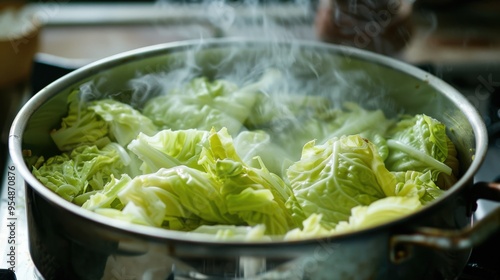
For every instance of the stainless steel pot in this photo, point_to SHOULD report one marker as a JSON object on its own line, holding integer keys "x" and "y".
{"x": 67, "y": 242}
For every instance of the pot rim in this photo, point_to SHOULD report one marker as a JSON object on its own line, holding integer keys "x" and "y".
{"x": 27, "y": 110}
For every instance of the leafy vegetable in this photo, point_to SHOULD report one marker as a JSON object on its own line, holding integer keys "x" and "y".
{"x": 203, "y": 182}
{"x": 336, "y": 176}
{"x": 284, "y": 115}
{"x": 124, "y": 122}
{"x": 168, "y": 149}
{"x": 420, "y": 143}
{"x": 180, "y": 192}
{"x": 323, "y": 123}
{"x": 245, "y": 163}
{"x": 252, "y": 144}
{"x": 231, "y": 232}
{"x": 108, "y": 197}
{"x": 414, "y": 183}
{"x": 311, "y": 228}
{"x": 381, "y": 211}
{"x": 84, "y": 169}
{"x": 203, "y": 104}
{"x": 94, "y": 123}
{"x": 80, "y": 127}
{"x": 254, "y": 194}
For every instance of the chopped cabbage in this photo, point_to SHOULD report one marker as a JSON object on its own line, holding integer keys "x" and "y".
{"x": 84, "y": 170}
{"x": 311, "y": 228}
{"x": 239, "y": 163}
{"x": 231, "y": 232}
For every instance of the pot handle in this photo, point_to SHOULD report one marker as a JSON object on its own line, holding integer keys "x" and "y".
{"x": 442, "y": 239}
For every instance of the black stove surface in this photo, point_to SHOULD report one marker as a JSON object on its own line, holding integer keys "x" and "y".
{"x": 484, "y": 261}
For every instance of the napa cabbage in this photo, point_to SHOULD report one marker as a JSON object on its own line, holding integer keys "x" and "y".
{"x": 168, "y": 148}
{"x": 232, "y": 232}
{"x": 254, "y": 194}
{"x": 196, "y": 178}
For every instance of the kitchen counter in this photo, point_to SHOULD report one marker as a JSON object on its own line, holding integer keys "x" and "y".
{"x": 88, "y": 32}
{"x": 83, "y": 33}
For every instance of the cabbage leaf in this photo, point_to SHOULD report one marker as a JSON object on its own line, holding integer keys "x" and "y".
{"x": 245, "y": 163}
{"x": 123, "y": 120}
{"x": 257, "y": 143}
{"x": 414, "y": 183}
{"x": 180, "y": 193}
{"x": 379, "y": 212}
{"x": 168, "y": 149}
{"x": 232, "y": 232}
{"x": 311, "y": 228}
{"x": 420, "y": 143}
{"x": 202, "y": 104}
{"x": 80, "y": 126}
{"x": 253, "y": 194}
{"x": 84, "y": 169}
{"x": 343, "y": 173}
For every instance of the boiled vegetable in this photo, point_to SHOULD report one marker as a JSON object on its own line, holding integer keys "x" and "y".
{"x": 229, "y": 162}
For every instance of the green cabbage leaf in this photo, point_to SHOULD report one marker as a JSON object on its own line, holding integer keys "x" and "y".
{"x": 369, "y": 124}
{"x": 243, "y": 162}
{"x": 414, "y": 183}
{"x": 384, "y": 210}
{"x": 232, "y": 232}
{"x": 178, "y": 193}
{"x": 80, "y": 126}
{"x": 334, "y": 177}
{"x": 254, "y": 194}
{"x": 196, "y": 178}
{"x": 420, "y": 143}
{"x": 124, "y": 122}
{"x": 311, "y": 228}
{"x": 168, "y": 149}
{"x": 204, "y": 104}
{"x": 83, "y": 171}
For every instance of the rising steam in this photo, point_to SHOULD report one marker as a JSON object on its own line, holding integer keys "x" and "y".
{"x": 302, "y": 70}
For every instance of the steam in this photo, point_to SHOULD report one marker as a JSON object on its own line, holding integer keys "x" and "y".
{"x": 303, "y": 70}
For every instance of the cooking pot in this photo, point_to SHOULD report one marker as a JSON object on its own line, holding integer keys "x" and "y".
{"x": 68, "y": 242}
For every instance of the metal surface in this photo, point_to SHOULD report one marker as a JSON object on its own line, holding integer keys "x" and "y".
{"x": 69, "y": 242}
{"x": 440, "y": 239}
